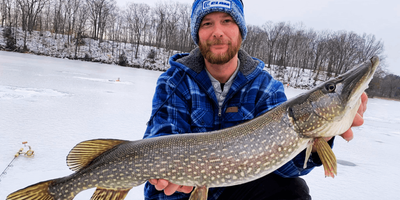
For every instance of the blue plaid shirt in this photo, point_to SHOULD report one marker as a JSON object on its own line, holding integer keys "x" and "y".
{"x": 185, "y": 102}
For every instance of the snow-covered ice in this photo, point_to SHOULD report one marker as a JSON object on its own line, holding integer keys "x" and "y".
{"x": 56, "y": 103}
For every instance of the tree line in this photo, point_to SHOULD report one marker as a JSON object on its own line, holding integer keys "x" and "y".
{"x": 167, "y": 25}
{"x": 164, "y": 26}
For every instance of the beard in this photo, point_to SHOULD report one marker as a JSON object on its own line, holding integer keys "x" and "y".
{"x": 220, "y": 58}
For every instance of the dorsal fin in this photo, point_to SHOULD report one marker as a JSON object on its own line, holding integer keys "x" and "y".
{"x": 85, "y": 152}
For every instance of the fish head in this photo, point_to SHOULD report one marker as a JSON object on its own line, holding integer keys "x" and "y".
{"x": 329, "y": 109}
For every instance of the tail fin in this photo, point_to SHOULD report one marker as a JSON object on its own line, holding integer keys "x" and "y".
{"x": 39, "y": 191}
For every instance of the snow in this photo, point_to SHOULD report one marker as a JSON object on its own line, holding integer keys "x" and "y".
{"x": 56, "y": 103}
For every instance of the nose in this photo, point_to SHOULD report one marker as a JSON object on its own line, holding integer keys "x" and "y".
{"x": 217, "y": 35}
{"x": 218, "y": 32}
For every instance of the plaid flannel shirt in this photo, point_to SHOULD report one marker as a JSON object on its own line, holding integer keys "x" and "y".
{"x": 185, "y": 102}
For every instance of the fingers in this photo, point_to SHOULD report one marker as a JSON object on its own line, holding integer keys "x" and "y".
{"x": 185, "y": 189}
{"x": 168, "y": 187}
{"x": 363, "y": 106}
{"x": 358, "y": 119}
{"x": 348, "y": 135}
{"x": 364, "y": 99}
{"x": 159, "y": 184}
{"x": 153, "y": 181}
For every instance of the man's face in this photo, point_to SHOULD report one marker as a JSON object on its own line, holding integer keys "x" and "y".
{"x": 219, "y": 38}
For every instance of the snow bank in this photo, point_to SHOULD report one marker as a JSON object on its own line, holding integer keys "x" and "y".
{"x": 57, "y": 45}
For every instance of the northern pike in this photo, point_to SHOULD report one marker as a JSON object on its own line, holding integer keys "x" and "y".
{"x": 220, "y": 158}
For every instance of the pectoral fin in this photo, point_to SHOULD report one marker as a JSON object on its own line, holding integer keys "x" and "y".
{"x": 327, "y": 157}
{"x": 308, "y": 153}
{"x": 199, "y": 193}
{"x": 109, "y": 194}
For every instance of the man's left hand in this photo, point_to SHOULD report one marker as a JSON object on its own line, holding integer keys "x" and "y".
{"x": 358, "y": 119}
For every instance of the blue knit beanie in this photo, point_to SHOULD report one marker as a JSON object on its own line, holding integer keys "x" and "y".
{"x": 201, "y": 8}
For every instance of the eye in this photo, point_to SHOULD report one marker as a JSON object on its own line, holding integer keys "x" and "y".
{"x": 205, "y": 24}
{"x": 330, "y": 87}
{"x": 227, "y": 20}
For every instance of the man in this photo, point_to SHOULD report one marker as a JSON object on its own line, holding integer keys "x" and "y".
{"x": 218, "y": 86}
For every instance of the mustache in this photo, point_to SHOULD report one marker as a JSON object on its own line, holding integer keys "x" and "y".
{"x": 218, "y": 42}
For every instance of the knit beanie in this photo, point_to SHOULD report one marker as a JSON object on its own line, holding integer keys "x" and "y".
{"x": 201, "y": 8}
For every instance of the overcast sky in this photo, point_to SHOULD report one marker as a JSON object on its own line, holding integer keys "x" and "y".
{"x": 378, "y": 17}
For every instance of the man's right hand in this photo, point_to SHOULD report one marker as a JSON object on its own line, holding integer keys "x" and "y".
{"x": 170, "y": 188}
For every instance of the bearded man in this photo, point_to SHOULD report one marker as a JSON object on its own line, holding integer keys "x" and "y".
{"x": 217, "y": 86}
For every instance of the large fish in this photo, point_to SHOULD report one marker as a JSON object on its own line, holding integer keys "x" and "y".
{"x": 220, "y": 158}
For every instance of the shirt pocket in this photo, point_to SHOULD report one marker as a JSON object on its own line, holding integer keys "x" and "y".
{"x": 239, "y": 113}
{"x": 202, "y": 120}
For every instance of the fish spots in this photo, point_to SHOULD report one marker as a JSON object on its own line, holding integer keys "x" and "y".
{"x": 249, "y": 170}
{"x": 272, "y": 155}
{"x": 267, "y": 164}
{"x": 215, "y": 160}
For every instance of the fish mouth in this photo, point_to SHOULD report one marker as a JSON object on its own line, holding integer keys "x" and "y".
{"x": 356, "y": 80}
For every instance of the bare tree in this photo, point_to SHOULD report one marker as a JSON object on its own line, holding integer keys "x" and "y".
{"x": 5, "y": 10}
{"x": 138, "y": 18}
{"x": 99, "y": 10}
{"x": 319, "y": 50}
{"x": 185, "y": 40}
{"x": 115, "y": 24}
{"x": 273, "y": 32}
{"x": 254, "y": 41}
{"x": 29, "y": 11}
{"x": 160, "y": 16}
{"x": 368, "y": 47}
{"x": 81, "y": 19}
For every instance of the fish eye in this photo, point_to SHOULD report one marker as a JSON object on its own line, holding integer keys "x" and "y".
{"x": 330, "y": 87}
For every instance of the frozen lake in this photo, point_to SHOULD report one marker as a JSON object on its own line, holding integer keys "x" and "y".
{"x": 55, "y": 103}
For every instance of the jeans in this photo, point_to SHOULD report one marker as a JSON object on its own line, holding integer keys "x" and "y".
{"x": 269, "y": 187}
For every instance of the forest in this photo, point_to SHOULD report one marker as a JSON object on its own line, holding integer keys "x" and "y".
{"x": 287, "y": 49}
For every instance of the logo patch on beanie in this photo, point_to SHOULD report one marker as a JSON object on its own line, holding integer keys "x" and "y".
{"x": 212, "y": 4}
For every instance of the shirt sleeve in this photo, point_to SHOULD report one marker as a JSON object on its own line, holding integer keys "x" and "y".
{"x": 170, "y": 114}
